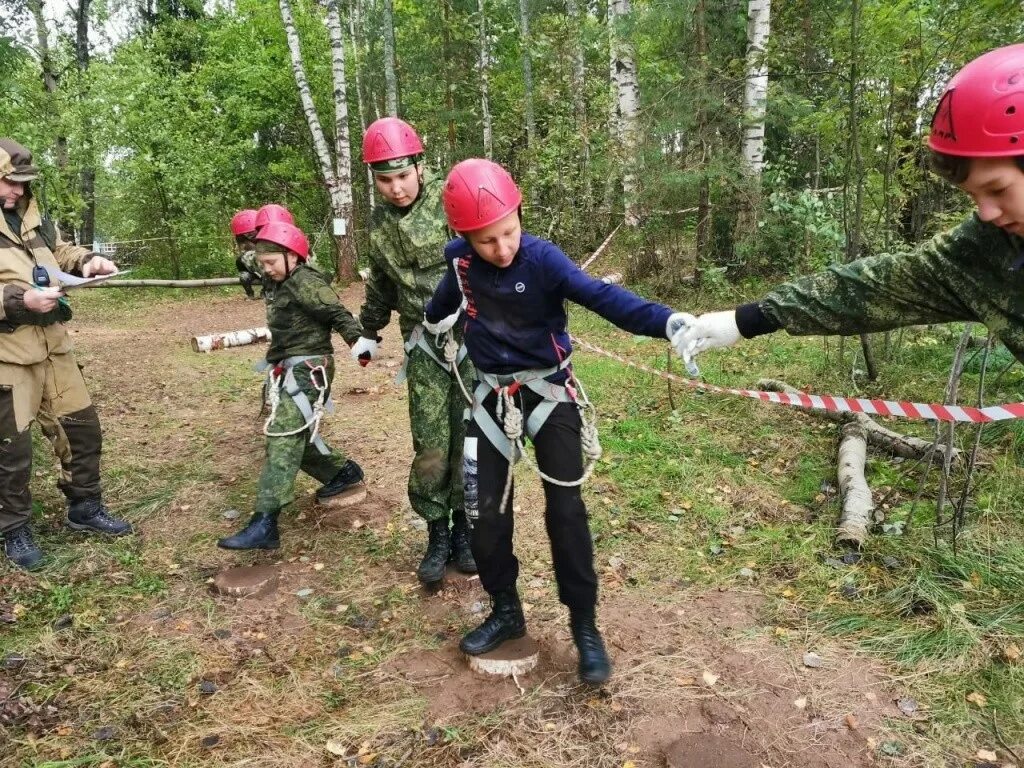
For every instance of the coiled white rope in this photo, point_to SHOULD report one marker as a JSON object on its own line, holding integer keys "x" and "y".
{"x": 274, "y": 399}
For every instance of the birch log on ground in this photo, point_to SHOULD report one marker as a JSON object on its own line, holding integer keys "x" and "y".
{"x": 229, "y": 339}
{"x": 906, "y": 446}
{"x": 856, "y": 517}
{"x": 210, "y": 282}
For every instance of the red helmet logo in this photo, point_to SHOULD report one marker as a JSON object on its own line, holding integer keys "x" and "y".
{"x": 981, "y": 112}
{"x": 478, "y": 193}
{"x": 389, "y": 139}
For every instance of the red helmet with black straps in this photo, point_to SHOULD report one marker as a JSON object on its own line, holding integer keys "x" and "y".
{"x": 478, "y": 193}
{"x": 981, "y": 112}
{"x": 243, "y": 222}
{"x": 389, "y": 139}
{"x": 287, "y": 236}
{"x": 273, "y": 212}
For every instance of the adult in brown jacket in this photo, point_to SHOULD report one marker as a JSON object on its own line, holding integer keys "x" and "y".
{"x": 39, "y": 377}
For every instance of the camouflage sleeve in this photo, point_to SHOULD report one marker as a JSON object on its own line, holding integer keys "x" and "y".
{"x": 381, "y": 299}
{"x": 322, "y": 303}
{"x": 930, "y": 284}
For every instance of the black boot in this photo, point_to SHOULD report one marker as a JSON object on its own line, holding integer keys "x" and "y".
{"x": 21, "y": 549}
{"x": 260, "y": 533}
{"x": 594, "y": 665}
{"x": 431, "y": 568}
{"x": 92, "y": 515}
{"x": 462, "y": 553}
{"x": 349, "y": 475}
{"x": 506, "y": 622}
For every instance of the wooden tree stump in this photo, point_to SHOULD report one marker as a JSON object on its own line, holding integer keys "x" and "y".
{"x": 511, "y": 658}
{"x": 346, "y": 498}
{"x": 459, "y": 581}
{"x": 245, "y": 581}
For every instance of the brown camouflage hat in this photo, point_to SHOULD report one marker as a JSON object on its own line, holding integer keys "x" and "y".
{"x": 16, "y": 162}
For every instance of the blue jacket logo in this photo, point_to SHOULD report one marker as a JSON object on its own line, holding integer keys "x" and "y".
{"x": 520, "y": 287}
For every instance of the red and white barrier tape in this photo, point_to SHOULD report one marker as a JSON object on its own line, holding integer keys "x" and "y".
{"x": 899, "y": 408}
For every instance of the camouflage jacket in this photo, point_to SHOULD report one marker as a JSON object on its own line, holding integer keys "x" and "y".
{"x": 406, "y": 260}
{"x": 302, "y": 310}
{"x": 972, "y": 272}
{"x": 29, "y": 337}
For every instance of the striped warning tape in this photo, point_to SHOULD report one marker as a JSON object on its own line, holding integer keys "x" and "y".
{"x": 898, "y": 408}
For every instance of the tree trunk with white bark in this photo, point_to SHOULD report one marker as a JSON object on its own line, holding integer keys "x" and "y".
{"x": 485, "y": 68}
{"x": 344, "y": 208}
{"x": 626, "y": 96}
{"x": 390, "y": 67}
{"x": 355, "y": 21}
{"x": 524, "y": 37}
{"x": 858, "y": 506}
{"x": 755, "y": 95}
{"x": 579, "y": 97}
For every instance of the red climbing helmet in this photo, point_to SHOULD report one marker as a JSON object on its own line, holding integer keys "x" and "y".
{"x": 273, "y": 212}
{"x": 243, "y": 222}
{"x": 981, "y": 113}
{"x": 477, "y": 193}
{"x": 389, "y": 139}
{"x": 287, "y": 236}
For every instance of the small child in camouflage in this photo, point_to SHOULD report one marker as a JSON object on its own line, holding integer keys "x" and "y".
{"x": 302, "y": 310}
{"x": 970, "y": 273}
{"x": 509, "y": 289}
{"x": 244, "y": 226}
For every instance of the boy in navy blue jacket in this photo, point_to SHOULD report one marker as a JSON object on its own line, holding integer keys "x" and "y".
{"x": 509, "y": 288}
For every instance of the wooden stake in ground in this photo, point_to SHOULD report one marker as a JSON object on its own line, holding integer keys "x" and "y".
{"x": 857, "y": 502}
{"x": 229, "y": 339}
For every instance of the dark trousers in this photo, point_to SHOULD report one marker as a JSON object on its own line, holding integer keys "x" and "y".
{"x": 559, "y": 455}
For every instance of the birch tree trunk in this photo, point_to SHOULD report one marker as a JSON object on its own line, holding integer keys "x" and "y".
{"x": 485, "y": 68}
{"x": 355, "y": 20}
{"x": 449, "y": 90}
{"x": 755, "y": 95}
{"x": 703, "y": 259}
{"x": 627, "y": 99}
{"x": 524, "y": 37}
{"x": 343, "y": 207}
{"x": 390, "y": 78}
{"x": 579, "y": 97}
{"x": 88, "y": 188}
{"x": 320, "y": 147}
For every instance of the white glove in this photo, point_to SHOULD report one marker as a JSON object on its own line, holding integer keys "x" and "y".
{"x": 709, "y": 331}
{"x": 443, "y": 325}
{"x": 364, "y": 350}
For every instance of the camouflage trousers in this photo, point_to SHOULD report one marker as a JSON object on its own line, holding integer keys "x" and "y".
{"x": 288, "y": 454}
{"x": 436, "y": 417}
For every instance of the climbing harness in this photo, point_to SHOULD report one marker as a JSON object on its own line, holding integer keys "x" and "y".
{"x": 281, "y": 376}
{"x": 436, "y": 351}
{"x": 505, "y": 432}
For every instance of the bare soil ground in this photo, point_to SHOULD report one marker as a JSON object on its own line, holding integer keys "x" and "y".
{"x": 348, "y": 661}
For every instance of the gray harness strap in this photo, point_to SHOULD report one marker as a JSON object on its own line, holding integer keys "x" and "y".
{"x": 420, "y": 338}
{"x": 291, "y": 388}
{"x": 534, "y": 379}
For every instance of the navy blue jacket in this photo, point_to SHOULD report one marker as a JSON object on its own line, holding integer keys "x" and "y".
{"x": 515, "y": 316}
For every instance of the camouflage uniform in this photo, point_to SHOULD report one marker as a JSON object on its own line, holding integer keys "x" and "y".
{"x": 970, "y": 273}
{"x": 406, "y": 264}
{"x": 250, "y": 272}
{"x": 302, "y": 311}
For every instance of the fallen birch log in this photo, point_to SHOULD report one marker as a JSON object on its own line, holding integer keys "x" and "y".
{"x": 907, "y": 446}
{"x": 210, "y": 282}
{"x": 229, "y": 339}
{"x": 858, "y": 506}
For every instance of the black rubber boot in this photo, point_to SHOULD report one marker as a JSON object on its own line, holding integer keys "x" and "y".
{"x": 506, "y": 622}
{"x": 21, "y": 549}
{"x": 595, "y": 668}
{"x": 431, "y": 569}
{"x": 91, "y": 515}
{"x": 462, "y": 553}
{"x": 260, "y": 533}
{"x": 349, "y": 475}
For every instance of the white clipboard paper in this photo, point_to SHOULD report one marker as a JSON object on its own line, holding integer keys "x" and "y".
{"x": 69, "y": 282}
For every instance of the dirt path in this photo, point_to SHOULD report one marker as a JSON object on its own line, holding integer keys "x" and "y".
{"x": 348, "y": 661}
